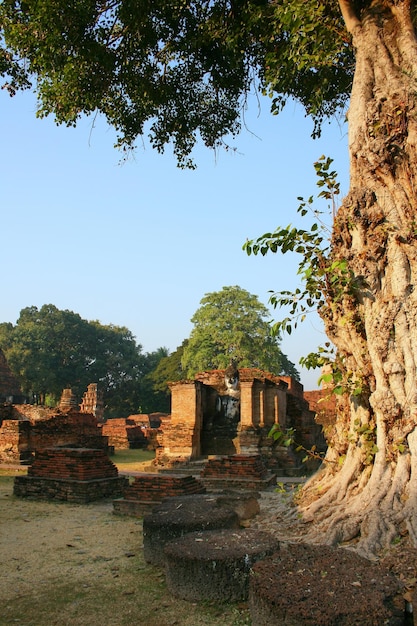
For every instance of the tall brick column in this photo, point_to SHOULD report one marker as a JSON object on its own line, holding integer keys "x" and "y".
{"x": 248, "y": 438}
{"x": 246, "y": 404}
{"x": 182, "y": 438}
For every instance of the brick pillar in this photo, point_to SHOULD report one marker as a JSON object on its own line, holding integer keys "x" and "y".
{"x": 68, "y": 400}
{"x": 275, "y": 406}
{"x": 248, "y": 438}
{"x": 261, "y": 408}
{"x": 181, "y": 439}
{"x": 246, "y": 404}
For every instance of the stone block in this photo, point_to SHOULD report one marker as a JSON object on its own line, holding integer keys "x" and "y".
{"x": 215, "y": 565}
{"x": 171, "y": 520}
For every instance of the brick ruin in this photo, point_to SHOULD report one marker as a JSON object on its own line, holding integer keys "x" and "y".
{"x": 25, "y": 428}
{"x": 70, "y": 474}
{"x": 92, "y": 402}
{"x": 147, "y": 490}
{"x": 221, "y": 412}
{"x": 135, "y": 431}
{"x": 217, "y": 415}
{"x": 237, "y": 471}
{"x": 124, "y": 433}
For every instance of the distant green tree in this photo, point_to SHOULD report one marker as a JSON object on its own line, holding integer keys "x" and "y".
{"x": 6, "y": 329}
{"x": 230, "y": 325}
{"x": 153, "y": 399}
{"x": 49, "y": 350}
{"x": 119, "y": 368}
{"x": 169, "y": 369}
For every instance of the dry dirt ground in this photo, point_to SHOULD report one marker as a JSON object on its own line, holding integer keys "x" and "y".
{"x": 76, "y": 565}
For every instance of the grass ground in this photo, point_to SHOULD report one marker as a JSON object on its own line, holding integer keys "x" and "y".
{"x": 133, "y": 460}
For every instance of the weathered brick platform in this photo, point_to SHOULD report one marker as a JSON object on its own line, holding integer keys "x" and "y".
{"x": 238, "y": 471}
{"x": 147, "y": 490}
{"x": 71, "y": 474}
{"x": 215, "y": 565}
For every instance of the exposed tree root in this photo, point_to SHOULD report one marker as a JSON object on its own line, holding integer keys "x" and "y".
{"x": 369, "y": 510}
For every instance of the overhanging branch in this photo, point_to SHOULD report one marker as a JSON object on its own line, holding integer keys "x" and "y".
{"x": 349, "y": 15}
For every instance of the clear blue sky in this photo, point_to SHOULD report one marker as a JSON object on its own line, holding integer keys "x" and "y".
{"x": 139, "y": 244}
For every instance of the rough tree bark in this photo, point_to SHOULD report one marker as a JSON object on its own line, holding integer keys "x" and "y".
{"x": 367, "y": 491}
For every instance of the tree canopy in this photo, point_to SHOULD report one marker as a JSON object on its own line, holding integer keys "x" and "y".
{"x": 169, "y": 369}
{"x": 173, "y": 70}
{"x": 49, "y": 349}
{"x": 232, "y": 325}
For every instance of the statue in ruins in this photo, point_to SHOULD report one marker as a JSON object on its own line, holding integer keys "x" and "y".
{"x": 228, "y": 404}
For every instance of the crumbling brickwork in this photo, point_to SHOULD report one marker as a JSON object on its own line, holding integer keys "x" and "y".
{"x": 135, "y": 431}
{"x": 123, "y": 433}
{"x": 28, "y": 428}
{"x": 150, "y": 489}
{"x": 70, "y": 474}
{"x": 237, "y": 472}
{"x": 92, "y": 402}
{"x": 199, "y": 425}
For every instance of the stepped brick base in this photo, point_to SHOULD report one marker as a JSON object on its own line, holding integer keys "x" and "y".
{"x": 238, "y": 471}
{"x": 72, "y": 463}
{"x": 147, "y": 490}
{"x": 79, "y": 491}
{"x": 71, "y": 474}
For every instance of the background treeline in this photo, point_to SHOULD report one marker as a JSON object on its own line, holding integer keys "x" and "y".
{"x": 49, "y": 350}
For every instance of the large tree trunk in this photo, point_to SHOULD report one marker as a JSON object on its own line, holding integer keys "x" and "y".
{"x": 367, "y": 491}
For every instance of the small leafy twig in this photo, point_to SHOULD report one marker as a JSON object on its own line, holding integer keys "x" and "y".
{"x": 286, "y": 438}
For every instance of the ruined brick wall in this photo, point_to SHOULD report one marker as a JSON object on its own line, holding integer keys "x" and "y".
{"x": 71, "y": 429}
{"x": 295, "y": 388}
{"x": 269, "y": 403}
{"x": 149, "y": 420}
{"x": 14, "y": 441}
{"x": 180, "y": 438}
{"x": 308, "y": 430}
{"x": 213, "y": 378}
{"x": 324, "y": 404}
{"x": 34, "y": 428}
{"x": 29, "y": 412}
{"x": 124, "y": 433}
